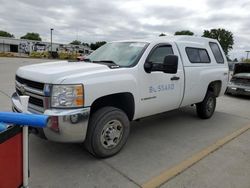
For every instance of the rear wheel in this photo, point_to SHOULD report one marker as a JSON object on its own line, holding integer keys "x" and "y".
{"x": 108, "y": 132}
{"x": 205, "y": 109}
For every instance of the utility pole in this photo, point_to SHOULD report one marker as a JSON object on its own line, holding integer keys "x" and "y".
{"x": 51, "y": 29}
{"x": 247, "y": 53}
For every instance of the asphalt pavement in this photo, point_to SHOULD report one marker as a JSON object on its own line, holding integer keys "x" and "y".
{"x": 156, "y": 144}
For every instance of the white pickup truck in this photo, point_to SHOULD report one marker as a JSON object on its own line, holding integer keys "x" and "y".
{"x": 94, "y": 101}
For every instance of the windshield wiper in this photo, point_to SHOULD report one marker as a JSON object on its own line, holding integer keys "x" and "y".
{"x": 105, "y": 61}
{"x": 87, "y": 60}
{"x": 110, "y": 63}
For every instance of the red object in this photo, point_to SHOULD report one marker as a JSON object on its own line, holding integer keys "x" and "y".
{"x": 11, "y": 156}
{"x": 80, "y": 58}
{"x": 54, "y": 124}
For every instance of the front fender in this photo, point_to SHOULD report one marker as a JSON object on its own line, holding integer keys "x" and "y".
{"x": 108, "y": 85}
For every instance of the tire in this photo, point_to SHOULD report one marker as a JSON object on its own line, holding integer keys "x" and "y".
{"x": 108, "y": 131}
{"x": 206, "y": 108}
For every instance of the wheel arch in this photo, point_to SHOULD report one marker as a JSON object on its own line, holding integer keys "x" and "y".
{"x": 215, "y": 87}
{"x": 124, "y": 101}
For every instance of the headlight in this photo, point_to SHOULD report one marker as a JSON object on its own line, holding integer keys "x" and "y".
{"x": 67, "y": 96}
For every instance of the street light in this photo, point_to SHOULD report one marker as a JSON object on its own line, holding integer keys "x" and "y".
{"x": 51, "y": 29}
{"x": 247, "y": 53}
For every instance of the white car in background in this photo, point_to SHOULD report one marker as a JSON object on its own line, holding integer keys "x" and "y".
{"x": 240, "y": 82}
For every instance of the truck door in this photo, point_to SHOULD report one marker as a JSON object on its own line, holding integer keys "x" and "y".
{"x": 160, "y": 91}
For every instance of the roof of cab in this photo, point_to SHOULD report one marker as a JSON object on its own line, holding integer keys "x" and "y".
{"x": 179, "y": 39}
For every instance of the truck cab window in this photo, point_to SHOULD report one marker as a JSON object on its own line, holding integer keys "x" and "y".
{"x": 159, "y": 53}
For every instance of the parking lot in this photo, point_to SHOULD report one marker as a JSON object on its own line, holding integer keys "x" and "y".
{"x": 174, "y": 146}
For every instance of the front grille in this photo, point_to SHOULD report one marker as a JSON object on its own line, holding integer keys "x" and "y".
{"x": 29, "y": 83}
{"x": 18, "y": 92}
{"x": 36, "y": 101}
{"x": 34, "y": 90}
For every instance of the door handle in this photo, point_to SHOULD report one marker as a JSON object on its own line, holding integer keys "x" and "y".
{"x": 175, "y": 78}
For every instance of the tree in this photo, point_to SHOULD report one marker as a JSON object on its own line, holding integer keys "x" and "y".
{"x": 184, "y": 32}
{"x": 246, "y": 61}
{"x": 96, "y": 45}
{"x": 6, "y": 34}
{"x": 76, "y": 42}
{"x": 224, "y": 37}
{"x": 162, "y": 34}
{"x": 32, "y": 36}
{"x": 85, "y": 44}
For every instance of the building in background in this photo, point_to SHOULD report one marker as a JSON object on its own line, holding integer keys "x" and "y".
{"x": 22, "y": 47}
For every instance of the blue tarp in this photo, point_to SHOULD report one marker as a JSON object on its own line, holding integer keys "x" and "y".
{"x": 3, "y": 127}
{"x": 32, "y": 120}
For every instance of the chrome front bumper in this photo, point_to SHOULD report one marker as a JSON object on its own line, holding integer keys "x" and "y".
{"x": 72, "y": 123}
{"x": 238, "y": 89}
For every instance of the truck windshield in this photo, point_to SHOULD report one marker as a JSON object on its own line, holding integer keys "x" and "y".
{"x": 123, "y": 54}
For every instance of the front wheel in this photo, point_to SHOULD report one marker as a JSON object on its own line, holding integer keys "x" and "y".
{"x": 205, "y": 109}
{"x": 108, "y": 132}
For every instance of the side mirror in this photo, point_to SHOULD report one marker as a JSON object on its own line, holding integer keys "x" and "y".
{"x": 170, "y": 64}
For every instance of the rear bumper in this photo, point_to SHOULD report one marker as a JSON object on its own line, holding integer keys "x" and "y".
{"x": 72, "y": 123}
{"x": 238, "y": 90}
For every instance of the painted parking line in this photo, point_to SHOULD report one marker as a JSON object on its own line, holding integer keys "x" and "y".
{"x": 175, "y": 170}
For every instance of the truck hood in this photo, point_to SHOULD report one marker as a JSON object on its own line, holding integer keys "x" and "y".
{"x": 241, "y": 68}
{"x": 52, "y": 72}
{"x": 242, "y": 75}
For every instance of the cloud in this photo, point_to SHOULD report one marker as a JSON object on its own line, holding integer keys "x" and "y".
{"x": 95, "y": 20}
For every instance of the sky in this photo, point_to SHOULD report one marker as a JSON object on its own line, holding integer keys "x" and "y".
{"x": 97, "y": 20}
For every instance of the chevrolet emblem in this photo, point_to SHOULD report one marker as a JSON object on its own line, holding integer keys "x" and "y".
{"x": 22, "y": 89}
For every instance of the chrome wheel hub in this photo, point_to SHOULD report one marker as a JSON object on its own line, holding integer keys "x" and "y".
{"x": 111, "y": 134}
{"x": 210, "y": 105}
